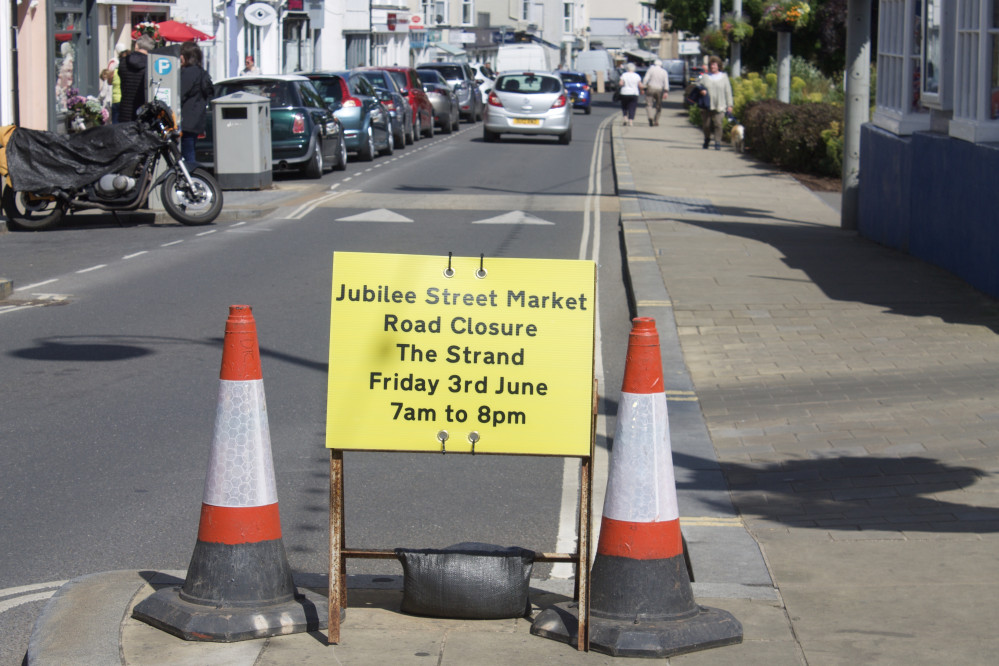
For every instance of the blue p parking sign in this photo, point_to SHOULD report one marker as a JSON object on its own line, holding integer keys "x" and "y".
{"x": 162, "y": 66}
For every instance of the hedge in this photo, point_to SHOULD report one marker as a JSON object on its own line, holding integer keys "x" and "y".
{"x": 795, "y": 136}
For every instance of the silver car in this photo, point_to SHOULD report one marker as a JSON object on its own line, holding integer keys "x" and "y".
{"x": 528, "y": 103}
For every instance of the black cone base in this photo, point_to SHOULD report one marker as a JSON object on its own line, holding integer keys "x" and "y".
{"x": 166, "y": 610}
{"x": 709, "y": 628}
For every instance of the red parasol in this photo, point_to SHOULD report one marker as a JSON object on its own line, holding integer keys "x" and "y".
{"x": 174, "y": 31}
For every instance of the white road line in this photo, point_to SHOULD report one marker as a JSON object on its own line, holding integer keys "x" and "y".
{"x": 135, "y": 254}
{"x": 172, "y": 243}
{"x": 7, "y": 604}
{"x": 567, "y": 540}
{"x": 20, "y": 595}
{"x": 206, "y": 233}
{"x": 310, "y": 206}
{"x": 238, "y": 224}
{"x": 92, "y": 268}
{"x": 22, "y": 589}
{"x": 37, "y": 284}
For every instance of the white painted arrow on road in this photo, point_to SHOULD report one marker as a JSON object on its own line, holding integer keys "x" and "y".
{"x": 379, "y": 215}
{"x": 514, "y": 217}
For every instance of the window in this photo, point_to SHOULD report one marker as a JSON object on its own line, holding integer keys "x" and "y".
{"x": 525, "y": 10}
{"x": 651, "y": 16}
{"x": 976, "y": 75}
{"x": 435, "y": 12}
{"x": 467, "y": 12}
{"x": 932, "y": 53}
{"x": 898, "y": 107}
{"x": 567, "y": 11}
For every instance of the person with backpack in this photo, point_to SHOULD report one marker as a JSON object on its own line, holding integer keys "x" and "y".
{"x": 132, "y": 70}
{"x": 196, "y": 89}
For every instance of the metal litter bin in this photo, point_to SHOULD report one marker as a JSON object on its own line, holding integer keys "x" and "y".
{"x": 241, "y": 137}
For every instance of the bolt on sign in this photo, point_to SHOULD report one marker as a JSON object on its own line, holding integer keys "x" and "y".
{"x": 461, "y": 354}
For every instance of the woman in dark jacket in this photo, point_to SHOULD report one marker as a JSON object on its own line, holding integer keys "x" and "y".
{"x": 195, "y": 90}
{"x": 132, "y": 72}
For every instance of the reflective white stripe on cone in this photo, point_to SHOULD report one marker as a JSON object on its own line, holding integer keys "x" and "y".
{"x": 239, "y": 584}
{"x": 641, "y": 599}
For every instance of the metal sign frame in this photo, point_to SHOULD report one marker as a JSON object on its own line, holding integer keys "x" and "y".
{"x": 339, "y": 552}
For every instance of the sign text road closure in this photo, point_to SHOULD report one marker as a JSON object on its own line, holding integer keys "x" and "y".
{"x": 506, "y": 358}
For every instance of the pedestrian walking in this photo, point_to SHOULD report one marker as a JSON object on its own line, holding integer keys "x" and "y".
{"x": 630, "y": 87}
{"x": 106, "y": 89}
{"x": 656, "y": 82}
{"x": 250, "y": 68}
{"x": 719, "y": 91}
{"x": 132, "y": 70}
{"x": 115, "y": 86}
{"x": 196, "y": 89}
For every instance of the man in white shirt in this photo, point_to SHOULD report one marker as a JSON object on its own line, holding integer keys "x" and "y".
{"x": 656, "y": 83}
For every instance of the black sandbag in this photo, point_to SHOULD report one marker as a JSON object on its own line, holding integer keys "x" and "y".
{"x": 46, "y": 162}
{"x": 467, "y": 580}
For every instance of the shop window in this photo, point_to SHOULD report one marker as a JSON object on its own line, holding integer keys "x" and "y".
{"x": 976, "y": 85}
{"x": 467, "y": 12}
{"x": 898, "y": 106}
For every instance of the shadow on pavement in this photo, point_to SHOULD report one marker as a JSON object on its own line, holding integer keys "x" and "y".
{"x": 849, "y": 268}
{"x": 854, "y": 493}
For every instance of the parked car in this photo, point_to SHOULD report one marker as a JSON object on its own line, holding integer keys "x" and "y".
{"x": 528, "y": 103}
{"x": 410, "y": 85}
{"x": 677, "y": 71}
{"x": 398, "y": 106}
{"x": 461, "y": 79}
{"x": 578, "y": 88}
{"x": 447, "y": 113}
{"x": 358, "y": 106}
{"x": 598, "y": 60}
{"x": 305, "y": 133}
{"x": 524, "y": 57}
{"x": 484, "y": 76}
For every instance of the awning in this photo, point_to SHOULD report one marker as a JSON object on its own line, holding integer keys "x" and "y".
{"x": 641, "y": 54}
{"x": 450, "y": 50}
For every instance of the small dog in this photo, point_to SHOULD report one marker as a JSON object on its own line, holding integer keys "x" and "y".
{"x": 738, "y": 137}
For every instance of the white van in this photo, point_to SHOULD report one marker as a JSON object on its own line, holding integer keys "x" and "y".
{"x": 527, "y": 57}
{"x": 599, "y": 60}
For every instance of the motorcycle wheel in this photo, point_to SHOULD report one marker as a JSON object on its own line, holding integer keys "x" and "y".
{"x": 201, "y": 207}
{"x": 31, "y": 213}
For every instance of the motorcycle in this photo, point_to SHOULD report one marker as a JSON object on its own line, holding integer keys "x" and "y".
{"x": 109, "y": 167}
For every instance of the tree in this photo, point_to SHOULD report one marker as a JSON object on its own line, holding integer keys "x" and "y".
{"x": 688, "y": 15}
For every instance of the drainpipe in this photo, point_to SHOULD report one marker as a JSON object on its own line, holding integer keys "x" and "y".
{"x": 856, "y": 113}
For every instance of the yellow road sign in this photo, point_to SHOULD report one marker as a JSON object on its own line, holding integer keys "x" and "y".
{"x": 424, "y": 358}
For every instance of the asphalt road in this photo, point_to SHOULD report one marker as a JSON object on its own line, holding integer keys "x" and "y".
{"x": 110, "y": 365}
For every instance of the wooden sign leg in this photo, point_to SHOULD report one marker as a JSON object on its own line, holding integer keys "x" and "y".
{"x": 337, "y": 581}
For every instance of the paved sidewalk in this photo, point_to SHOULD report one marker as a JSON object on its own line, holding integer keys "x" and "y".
{"x": 850, "y": 394}
{"x": 844, "y": 392}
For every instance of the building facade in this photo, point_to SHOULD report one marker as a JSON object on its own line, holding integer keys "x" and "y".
{"x": 929, "y": 158}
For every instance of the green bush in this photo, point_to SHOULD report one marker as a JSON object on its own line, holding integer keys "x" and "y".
{"x": 833, "y": 138}
{"x": 791, "y": 135}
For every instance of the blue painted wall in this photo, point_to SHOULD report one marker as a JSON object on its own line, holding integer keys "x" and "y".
{"x": 934, "y": 197}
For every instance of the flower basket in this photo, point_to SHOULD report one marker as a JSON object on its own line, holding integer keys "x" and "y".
{"x": 736, "y": 28}
{"x": 785, "y": 15}
{"x": 151, "y": 29}
{"x": 714, "y": 41}
{"x": 82, "y": 113}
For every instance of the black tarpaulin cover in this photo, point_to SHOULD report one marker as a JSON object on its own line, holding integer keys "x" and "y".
{"x": 45, "y": 162}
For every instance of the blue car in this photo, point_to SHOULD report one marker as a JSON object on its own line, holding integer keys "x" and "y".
{"x": 366, "y": 123}
{"x": 578, "y": 88}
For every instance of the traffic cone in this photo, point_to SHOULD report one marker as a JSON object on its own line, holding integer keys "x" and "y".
{"x": 642, "y": 604}
{"x": 239, "y": 584}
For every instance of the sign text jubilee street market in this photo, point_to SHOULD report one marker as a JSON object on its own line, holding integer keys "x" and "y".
{"x": 480, "y": 352}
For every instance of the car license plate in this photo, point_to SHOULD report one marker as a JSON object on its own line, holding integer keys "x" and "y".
{"x": 526, "y": 121}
